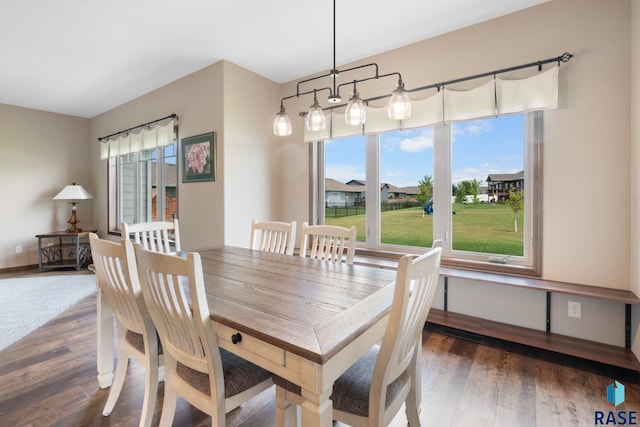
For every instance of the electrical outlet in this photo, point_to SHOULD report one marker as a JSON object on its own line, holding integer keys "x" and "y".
{"x": 575, "y": 309}
{"x": 19, "y": 249}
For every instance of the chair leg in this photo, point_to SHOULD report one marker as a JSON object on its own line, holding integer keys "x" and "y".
{"x": 150, "y": 394}
{"x": 168, "y": 406}
{"x": 412, "y": 408}
{"x": 118, "y": 382}
{"x": 281, "y": 407}
{"x": 412, "y": 404}
{"x": 286, "y": 412}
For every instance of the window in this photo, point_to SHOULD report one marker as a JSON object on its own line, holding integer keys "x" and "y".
{"x": 143, "y": 186}
{"x": 474, "y": 184}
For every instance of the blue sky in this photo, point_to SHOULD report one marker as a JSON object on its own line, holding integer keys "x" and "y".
{"x": 480, "y": 147}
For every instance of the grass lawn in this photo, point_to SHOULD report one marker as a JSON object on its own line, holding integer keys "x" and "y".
{"x": 476, "y": 227}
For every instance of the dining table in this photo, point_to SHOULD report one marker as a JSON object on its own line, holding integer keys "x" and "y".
{"x": 305, "y": 320}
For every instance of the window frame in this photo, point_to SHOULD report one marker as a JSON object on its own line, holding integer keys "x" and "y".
{"x": 114, "y": 177}
{"x": 528, "y": 265}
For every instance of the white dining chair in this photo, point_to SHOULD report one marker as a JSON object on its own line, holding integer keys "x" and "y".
{"x": 154, "y": 235}
{"x": 210, "y": 378}
{"x": 114, "y": 266}
{"x": 329, "y": 243}
{"x": 273, "y": 236}
{"x": 372, "y": 391}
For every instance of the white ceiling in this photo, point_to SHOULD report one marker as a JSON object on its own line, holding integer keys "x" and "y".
{"x": 84, "y": 57}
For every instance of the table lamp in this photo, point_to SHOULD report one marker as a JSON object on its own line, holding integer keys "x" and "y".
{"x": 74, "y": 193}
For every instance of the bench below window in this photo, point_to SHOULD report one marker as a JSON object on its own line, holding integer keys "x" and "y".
{"x": 604, "y": 353}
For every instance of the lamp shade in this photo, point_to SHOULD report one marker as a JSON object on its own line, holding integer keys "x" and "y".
{"x": 355, "y": 114}
{"x": 399, "y": 105}
{"x": 73, "y": 192}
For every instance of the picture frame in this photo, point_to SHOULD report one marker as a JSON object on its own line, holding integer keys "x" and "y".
{"x": 199, "y": 158}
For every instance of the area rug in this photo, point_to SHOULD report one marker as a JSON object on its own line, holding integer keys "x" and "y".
{"x": 27, "y": 303}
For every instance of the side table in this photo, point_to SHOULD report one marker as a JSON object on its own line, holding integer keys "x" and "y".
{"x": 60, "y": 249}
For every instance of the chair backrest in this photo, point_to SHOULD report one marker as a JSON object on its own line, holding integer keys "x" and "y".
{"x": 415, "y": 288}
{"x": 186, "y": 333}
{"x": 273, "y": 236}
{"x": 329, "y": 242}
{"x": 114, "y": 268}
{"x": 437, "y": 243}
{"x": 153, "y": 236}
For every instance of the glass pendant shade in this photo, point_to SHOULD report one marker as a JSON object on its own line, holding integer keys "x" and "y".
{"x": 282, "y": 124}
{"x": 399, "y": 105}
{"x": 315, "y": 117}
{"x": 355, "y": 114}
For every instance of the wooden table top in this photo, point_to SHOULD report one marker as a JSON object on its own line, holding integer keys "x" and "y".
{"x": 307, "y": 307}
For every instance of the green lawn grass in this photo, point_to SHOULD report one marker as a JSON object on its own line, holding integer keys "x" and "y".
{"x": 476, "y": 227}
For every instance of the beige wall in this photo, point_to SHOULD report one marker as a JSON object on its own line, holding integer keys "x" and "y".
{"x": 233, "y": 103}
{"x": 635, "y": 160}
{"x": 40, "y": 153}
{"x": 251, "y": 185}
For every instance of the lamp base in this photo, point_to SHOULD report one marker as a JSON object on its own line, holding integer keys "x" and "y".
{"x": 73, "y": 221}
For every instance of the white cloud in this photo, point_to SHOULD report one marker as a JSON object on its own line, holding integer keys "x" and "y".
{"x": 474, "y": 128}
{"x": 420, "y": 142}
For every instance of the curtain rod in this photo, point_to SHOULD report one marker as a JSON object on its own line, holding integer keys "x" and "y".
{"x": 565, "y": 57}
{"x": 171, "y": 116}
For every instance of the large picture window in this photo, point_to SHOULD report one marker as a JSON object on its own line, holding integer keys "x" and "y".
{"x": 474, "y": 184}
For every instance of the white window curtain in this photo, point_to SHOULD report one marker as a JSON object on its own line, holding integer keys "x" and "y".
{"x": 159, "y": 134}
{"x": 495, "y": 97}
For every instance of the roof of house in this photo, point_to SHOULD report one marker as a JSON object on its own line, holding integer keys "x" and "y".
{"x": 357, "y": 186}
{"x": 334, "y": 185}
{"x": 494, "y": 177}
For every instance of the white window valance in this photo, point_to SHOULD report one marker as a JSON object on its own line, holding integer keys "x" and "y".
{"x": 495, "y": 97}
{"x": 159, "y": 134}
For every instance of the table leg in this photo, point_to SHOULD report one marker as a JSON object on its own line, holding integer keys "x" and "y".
{"x": 105, "y": 340}
{"x": 317, "y": 410}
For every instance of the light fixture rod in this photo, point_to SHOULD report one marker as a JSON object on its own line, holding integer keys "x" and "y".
{"x": 376, "y": 77}
{"x": 334, "y": 36}
{"x": 304, "y": 93}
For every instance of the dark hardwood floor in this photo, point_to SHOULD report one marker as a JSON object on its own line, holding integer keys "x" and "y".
{"x": 48, "y": 378}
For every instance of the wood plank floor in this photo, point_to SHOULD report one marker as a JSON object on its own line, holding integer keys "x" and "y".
{"x": 48, "y": 378}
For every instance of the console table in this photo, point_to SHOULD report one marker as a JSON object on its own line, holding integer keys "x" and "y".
{"x": 60, "y": 249}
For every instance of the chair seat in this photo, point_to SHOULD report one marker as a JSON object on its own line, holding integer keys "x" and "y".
{"x": 137, "y": 341}
{"x": 351, "y": 390}
{"x": 239, "y": 375}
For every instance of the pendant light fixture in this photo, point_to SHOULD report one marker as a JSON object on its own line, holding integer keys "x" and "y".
{"x": 355, "y": 114}
{"x": 399, "y": 107}
{"x": 282, "y": 124}
{"x": 315, "y": 117}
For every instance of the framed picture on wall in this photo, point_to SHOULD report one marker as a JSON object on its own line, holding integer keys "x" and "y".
{"x": 199, "y": 158}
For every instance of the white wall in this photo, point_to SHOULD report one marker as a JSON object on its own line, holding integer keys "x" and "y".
{"x": 40, "y": 153}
